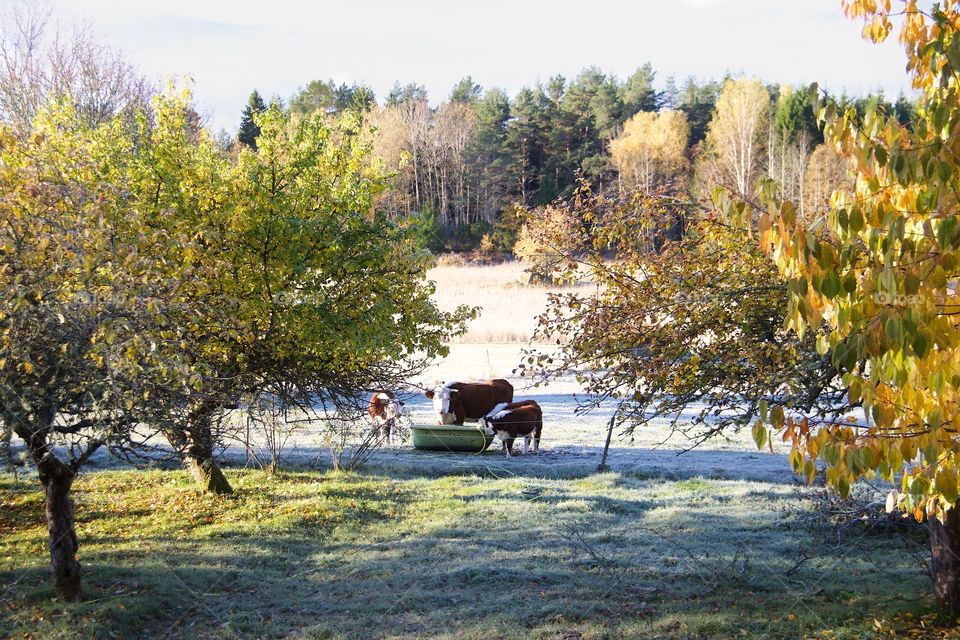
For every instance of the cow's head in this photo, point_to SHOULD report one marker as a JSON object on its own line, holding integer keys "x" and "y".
{"x": 387, "y": 410}
{"x": 392, "y": 408}
{"x": 442, "y": 397}
{"x": 486, "y": 426}
{"x": 497, "y": 413}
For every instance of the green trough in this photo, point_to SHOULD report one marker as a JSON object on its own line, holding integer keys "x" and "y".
{"x": 460, "y": 438}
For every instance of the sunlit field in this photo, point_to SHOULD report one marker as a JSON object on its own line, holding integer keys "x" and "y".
{"x": 720, "y": 542}
{"x": 509, "y": 306}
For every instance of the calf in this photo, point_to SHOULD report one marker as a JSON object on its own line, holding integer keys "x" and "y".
{"x": 454, "y": 402}
{"x": 384, "y": 409}
{"x": 509, "y": 421}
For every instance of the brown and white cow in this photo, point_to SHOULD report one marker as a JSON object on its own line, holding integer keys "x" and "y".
{"x": 384, "y": 409}
{"x": 509, "y": 421}
{"x": 454, "y": 402}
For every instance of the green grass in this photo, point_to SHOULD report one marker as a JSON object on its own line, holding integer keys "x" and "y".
{"x": 323, "y": 555}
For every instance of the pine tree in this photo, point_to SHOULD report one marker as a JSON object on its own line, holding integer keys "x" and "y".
{"x": 249, "y": 131}
{"x": 638, "y": 93}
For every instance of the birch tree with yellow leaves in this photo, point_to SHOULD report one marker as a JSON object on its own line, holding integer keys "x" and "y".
{"x": 651, "y": 151}
{"x": 735, "y": 139}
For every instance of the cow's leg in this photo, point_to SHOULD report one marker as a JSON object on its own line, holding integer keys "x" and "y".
{"x": 526, "y": 445}
{"x": 507, "y": 444}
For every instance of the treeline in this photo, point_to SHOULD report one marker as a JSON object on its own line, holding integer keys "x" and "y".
{"x": 459, "y": 166}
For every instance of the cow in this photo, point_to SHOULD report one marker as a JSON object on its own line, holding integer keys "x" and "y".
{"x": 511, "y": 420}
{"x": 384, "y": 409}
{"x": 454, "y": 402}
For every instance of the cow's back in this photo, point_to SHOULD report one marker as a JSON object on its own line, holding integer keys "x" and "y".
{"x": 478, "y": 399}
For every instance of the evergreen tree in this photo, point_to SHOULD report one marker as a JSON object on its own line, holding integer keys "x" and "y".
{"x": 411, "y": 92}
{"x": 671, "y": 94}
{"x": 488, "y": 154}
{"x": 795, "y": 117}
{"x": 592, "y": 112}
{"x": 466, "y": 91}
{"x": 906, "y": 111}
{"x": 527, "y": 139}
{"x": 697, "y": 101}
{"x": 638, "y": 93}
{"x": 329, "y": 97}
{"x": 249, "y": 131}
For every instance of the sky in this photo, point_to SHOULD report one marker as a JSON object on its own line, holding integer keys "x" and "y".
{"x": 230, "y": 47}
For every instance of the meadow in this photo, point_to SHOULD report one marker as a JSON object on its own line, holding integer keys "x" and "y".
{"x": 410, "y": 555}
{"x": 720, "y": 542}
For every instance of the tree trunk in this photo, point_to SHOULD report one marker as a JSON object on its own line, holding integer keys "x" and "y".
{"x": 945, "y": 563}
{"x": 195, "y": 444}
{"x": 6, "y": 452}
{"x": 57, "y": 478}
{"x": 207, "y": 474}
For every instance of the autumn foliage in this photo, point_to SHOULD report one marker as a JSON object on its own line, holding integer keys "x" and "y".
{"x": 876, "y": 281}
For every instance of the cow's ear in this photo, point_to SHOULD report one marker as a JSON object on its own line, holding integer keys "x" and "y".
{"x": 429, "y": 394}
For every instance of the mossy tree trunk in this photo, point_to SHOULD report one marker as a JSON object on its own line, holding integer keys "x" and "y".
{"x": 196, "y": 443}
{"x": 945, "y": 563}
{"x": 6, "y": 453}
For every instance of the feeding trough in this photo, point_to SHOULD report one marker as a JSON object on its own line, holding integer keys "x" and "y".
{"x": 465, "y": 438}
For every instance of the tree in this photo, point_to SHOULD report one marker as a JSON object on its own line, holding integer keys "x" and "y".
{"x": 488, "y": 155}
{"x": 466, "y": 91}
{"x": 391, "y": 140}
{"x": 874, "y": 279}
{"x": 331, "y": 98}
{"x": 279, "y": 296}
{"x": 795, "y": 117}
{"x": 40, "y": 64}
{"x": 736, "y": 134}
{"x": 411, "y": 92}
{"x": 638, "y": 94}
{"x": 249, "y": 129}
{"x": 527, "y": 141}
{"x": 906, "y": 111}
{"x": 826, "y": 173}
{"x": 698, "y": 101}
{"x": 549, "y": 236}
{"x": 651, "y": 151}
{"x": 793, "y": 134}
{"x": 85, "y": 295}
{"x": 685, "y": 324}
{"x": 671, "y": 94}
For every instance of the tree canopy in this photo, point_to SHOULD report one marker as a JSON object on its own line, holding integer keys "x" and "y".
{"x": 151, "y": 281}
{"x": 875, "y": 281}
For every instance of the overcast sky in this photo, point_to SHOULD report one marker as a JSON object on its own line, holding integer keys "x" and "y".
{"x": 230, "y": 47}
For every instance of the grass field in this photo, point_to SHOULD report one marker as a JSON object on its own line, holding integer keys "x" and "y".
{"x": 323, "y": 555}
{"x": 509, "y": 306}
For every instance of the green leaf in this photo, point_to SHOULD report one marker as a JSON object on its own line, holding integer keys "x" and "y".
{"x": 947, "y": 485}
{"x": 759, "y": 434}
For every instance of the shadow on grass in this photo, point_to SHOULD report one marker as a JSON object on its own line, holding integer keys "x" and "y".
{"x": 611, "y": 556}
